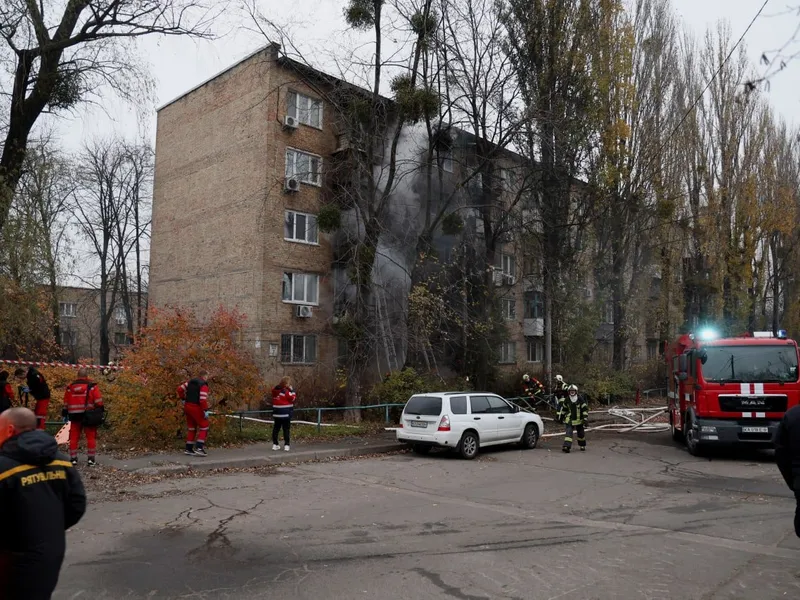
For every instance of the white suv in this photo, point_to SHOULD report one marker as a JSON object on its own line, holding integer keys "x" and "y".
{"x": 465, "y": 421}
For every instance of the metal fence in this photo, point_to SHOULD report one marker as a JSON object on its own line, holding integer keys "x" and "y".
{"x": 253, "y": 415}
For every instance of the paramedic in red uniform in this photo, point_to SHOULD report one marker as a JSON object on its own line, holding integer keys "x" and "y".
{"x": 194, "y": 394}
{"x": 37, "y": 386}
{"x": 82, "y": 395}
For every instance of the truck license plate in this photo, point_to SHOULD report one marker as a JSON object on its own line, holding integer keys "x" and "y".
{"x": 755, "y": 429}
{"x": 422, "y": 424}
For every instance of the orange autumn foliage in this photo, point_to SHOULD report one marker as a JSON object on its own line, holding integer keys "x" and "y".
{"x": 171, "y": 349}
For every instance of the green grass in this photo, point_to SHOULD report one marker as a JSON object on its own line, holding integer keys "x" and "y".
{"x": 262, "y": 432}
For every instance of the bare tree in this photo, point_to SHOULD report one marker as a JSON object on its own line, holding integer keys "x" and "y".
{"x": 47, "y": 187}
{"x": 551, "y": 45}
{"x": 63, "y": 52}
{"x": 635, "y": 61}
{"x": 107, "y": 211}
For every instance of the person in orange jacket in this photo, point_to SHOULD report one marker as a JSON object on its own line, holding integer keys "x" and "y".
{"x": 194, "y": 394}
{"x": 82, "y": 395}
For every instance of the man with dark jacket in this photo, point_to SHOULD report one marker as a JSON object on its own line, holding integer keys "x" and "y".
{"x": 787, "y": 455}
{"x": 6, "y": 393}
{"x": 41, "y": 496}
{"x": 36, "y": 384}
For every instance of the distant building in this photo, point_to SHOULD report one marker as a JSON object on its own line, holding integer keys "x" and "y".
{"x": 79, "y": 311}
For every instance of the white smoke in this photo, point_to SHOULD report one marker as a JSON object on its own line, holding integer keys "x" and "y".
{"x": 403, "y": 224}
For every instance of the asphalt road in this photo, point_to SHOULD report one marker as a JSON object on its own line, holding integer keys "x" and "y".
{"x": 635, "y": 517}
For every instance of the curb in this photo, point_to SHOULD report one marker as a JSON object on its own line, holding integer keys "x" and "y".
{"x": 203, "y": 464}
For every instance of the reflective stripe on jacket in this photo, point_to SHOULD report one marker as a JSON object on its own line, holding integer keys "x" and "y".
{"x": 194, "y": 391}
{"x": 283, "y": 402}
{"x": 573, "y": 413}
{"x": 82, "y": 395}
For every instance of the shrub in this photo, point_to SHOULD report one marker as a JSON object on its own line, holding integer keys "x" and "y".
{"x": 398, "y": 386}
{"x": 173, "y": 347}
{"x": 113, "y": 386}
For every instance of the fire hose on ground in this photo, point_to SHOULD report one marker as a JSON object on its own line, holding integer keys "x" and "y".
{"x": 629, "y": 415}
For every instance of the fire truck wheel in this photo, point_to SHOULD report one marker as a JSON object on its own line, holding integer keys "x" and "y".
{"x": 677, "y": 434}
{"x": 692, "y": 443}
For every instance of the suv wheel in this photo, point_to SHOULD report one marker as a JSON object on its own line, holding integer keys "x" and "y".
{"x": 420, "y": 449}
{"x": 468, "y": 445}
{"x": 531, "y": 436}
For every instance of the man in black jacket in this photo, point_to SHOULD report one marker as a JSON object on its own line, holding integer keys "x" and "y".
{"x": 41, "y": 496}
{"x": 787, "y": 455}
{"x": 37, "y": 386}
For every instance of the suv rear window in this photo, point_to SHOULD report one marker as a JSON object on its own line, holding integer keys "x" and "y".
{"x": 458, "y": 405}
{"x": 429, "y": 406}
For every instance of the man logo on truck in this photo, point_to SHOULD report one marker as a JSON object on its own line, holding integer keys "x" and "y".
{"x": 731, "y": 390}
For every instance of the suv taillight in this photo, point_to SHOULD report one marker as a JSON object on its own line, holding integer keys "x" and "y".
{"x": 444, "y": 424}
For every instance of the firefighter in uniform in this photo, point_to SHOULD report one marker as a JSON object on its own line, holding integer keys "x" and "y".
{"x": 41, "y": 496}
{"x": 573, "y": 412}
{"x": 82, "y": 395}
{"x": 36, "y": 384}
{"x": 561, "y": 387}
{"x": 533, "y": 387}
{"x": 194, "y": 394}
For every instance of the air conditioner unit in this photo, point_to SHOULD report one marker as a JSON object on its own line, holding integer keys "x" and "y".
{"x": 497, "y": 277}
{"x": 303, "y": 311}
{"x": 290, "y": 122}
{"x": 292, "y": 184}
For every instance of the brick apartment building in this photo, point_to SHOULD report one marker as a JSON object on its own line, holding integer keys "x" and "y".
{"x": 227, "y": 230}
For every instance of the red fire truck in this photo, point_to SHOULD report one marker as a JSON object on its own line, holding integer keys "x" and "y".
{"x": 730, "y": 390}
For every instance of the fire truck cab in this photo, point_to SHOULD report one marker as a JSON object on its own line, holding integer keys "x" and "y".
{"x": 732, "y": 390}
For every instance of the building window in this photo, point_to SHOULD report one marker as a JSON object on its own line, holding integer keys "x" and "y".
{"x": 300, "y": 227}
{"x": 306, "y": 110}
{"x": 508, "y": 177}
{"x": 120, "y": 316}
{"x": 608, "y": 312}
{"x": 121, "y": 338}
{"x": 534, "y": 305}
{"x": 652, "y": 349}
{"x": 445, "y": 157}
{"x": 508, "y": 352}
{"x": 509, "y": 309}
{"x": 301, "y": 288}
{"x": 68, "y": 309}
{"x": 69, "y": 339}
{"x": 298, "y": 349}
{"x": 506, "y": 268}
{"x": 303, "y": 166}
{"x": 535, "y": 351}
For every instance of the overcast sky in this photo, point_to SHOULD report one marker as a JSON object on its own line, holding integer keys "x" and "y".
{"x": 180, "y": 64}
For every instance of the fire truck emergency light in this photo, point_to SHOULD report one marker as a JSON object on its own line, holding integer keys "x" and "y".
{"x": 707, "y": 334}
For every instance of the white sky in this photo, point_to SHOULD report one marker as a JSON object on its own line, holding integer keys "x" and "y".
{"x": 179, "y": 64}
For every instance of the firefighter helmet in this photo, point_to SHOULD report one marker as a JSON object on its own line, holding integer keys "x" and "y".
{"x": 526, "y": 377}
{"x": 573, "y": 388}
{"x": 559, "y": 378}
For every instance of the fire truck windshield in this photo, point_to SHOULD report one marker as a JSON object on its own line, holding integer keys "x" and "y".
{"x": 750, "y": 364}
